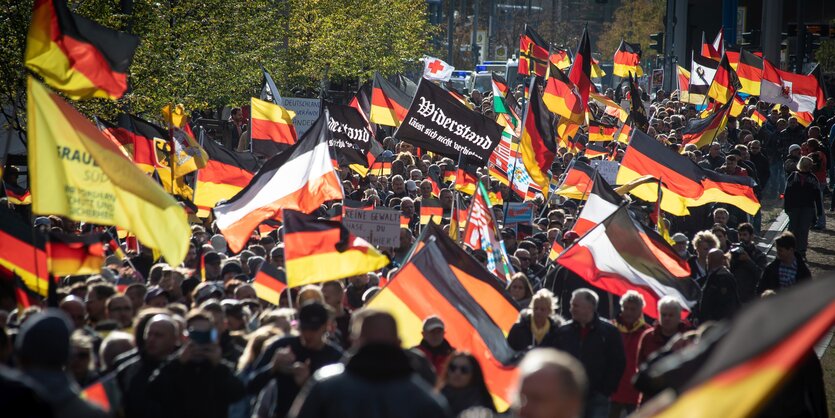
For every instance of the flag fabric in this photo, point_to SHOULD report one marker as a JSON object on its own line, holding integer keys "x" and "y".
{"x": 269, "y": 91}
{"x": 98, "y": 393}
{"x": 75, "y": 255}
{"x": 801, "y": 93}
{"x": 22, "y": 252}
{"x": 137, "y": 136}
{"x": 323, "y": 250}
{"x": 580, "y": 73}
{"x": 577, "y": 181}
{"x": 17, "y": 195}
{"x": 733, "y": 190}
{"x": 701, "y": 132}
{"x": 750, "y": 362}
{"x": 429, "y": 209}
{"x": 362, "y": 102}
{"x": 737, "y": 106}
{"x": 596, "y": 71}
{"x": 533, "y": 53}
{"x": 436, "y": 69}
{"x": 481, "y": 233}
{"x": 646, "y": 156}
{"x": 428, "y": 285}
{"x": 683, "y": 77}
{"x": 226, "y": 173}
{"x": 602, "y": 202}
{"x": 185, "y": 157}
{"x": 466, "y": 175}
{"x": 716, "y": 49}
{"x": 269, "y": 282}
{"x": 750, "y": 73}
{"x": 177, "y": 118}
{"x": 725, "y": 82}
{"x": 562, "y": 98}
{"x": 637, "y": 111}
{"x": 758, "y": 118}
{"x": 733, "y": 57}
{"x": 501, "y": 92}
{"x": 620, "y": 254}
{"x": 592, "y": 150}
{"x": 300, "y": 178}
{"x": 561, "y": 58}
{"x": 610, "y": 108}
{"x": 702, "y": 71}
{"x": 389, "y": 104}
{"x": 90, "y": 180}
{"x": 25, "y": 296}
{"x": 538, "y": 141}
{"x": 77, "y": 56}
{"x": 271, "y": 128}
{"x": 601, "y": 132}
{"x": 627, "y": 60}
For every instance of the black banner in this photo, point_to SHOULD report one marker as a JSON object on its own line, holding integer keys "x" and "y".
{"x": 439, "y": 123}
{"x": 350, "y": 138}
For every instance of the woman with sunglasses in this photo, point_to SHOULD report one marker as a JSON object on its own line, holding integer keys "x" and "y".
{"x": 462, "y": 384}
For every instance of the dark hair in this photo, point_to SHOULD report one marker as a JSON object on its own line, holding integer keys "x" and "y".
{"x": 141, "y": 321}
{"x": 786, "y": 240}
{"x": 477, "y": 378}
{"x": 103, "y": 291}
{"x": 745, "y": 226}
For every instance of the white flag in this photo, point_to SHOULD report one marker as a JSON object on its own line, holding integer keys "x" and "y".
{"x": 436, "y": 69}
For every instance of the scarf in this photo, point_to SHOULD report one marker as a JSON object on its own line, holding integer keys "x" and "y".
{"x": 539, "y": 333}
{"x": 624, "y": 330}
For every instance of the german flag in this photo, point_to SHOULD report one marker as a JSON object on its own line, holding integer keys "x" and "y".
{"x": 321, "y": 250}
{"x": 596, "y": 72}
{"x": 750, "y": 73}
{"x": 577, "y": 181}
{"x": 75, "y": 255}
{"x": 803, "y": 118}
{"x": 269, "y": 283}
{"x": 389, "y": 104}
{"x": 538, "y": 141}
{"x": 78, "y": 173}
{"x": 601, "y": 132}
{"x": 24, "y": 295}
{"x": 466, "y": 175}
{"x": 533, "y": 53}
{"x": 300, "y": 178}
{"x": 225, "y": 174}
{"x": 758, "y": 118}
{"x": 137, "y": 137}
{"x": 683, "y": 77}
{"x": 751, "y": 362}
{"x": 610, "y": 108}
{"x": 594, "y": 151}
{"x": 580, "y": 74}
{"x": 427, "y": 285}
{"x": 702, "y": 132}
{"x": 77, "y": 56}
{"x": 714, "y": 51}
{"x": 733, "y": 57}
{"x": 429, "y": 209}
{"x": 561, "y": 97}
{"x": 733, "y": 190}
{"x": 272, "y": 129}
{"x": 17, "y": 195}
{"x": 682, "y": 178}
{"x": 725, "y": 82}
{"x": 737, "y": 107}
{"x": 561, "y": 58}
{"x": 627, "y": 60}
{"x": 380, "y": 168}
{"x": 449, "y": 176}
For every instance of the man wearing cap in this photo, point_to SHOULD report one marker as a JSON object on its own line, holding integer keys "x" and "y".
{"x": 211, "y": 265}
{"x": 680, "y": 242}
{"x": 434, "y": 344}
{"x": 289, "y": 361}
{"x": 43, "y": 350}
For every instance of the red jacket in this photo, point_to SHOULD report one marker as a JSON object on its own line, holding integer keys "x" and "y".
{"x": 626, "y": 393}
{"x": 438, "y": 356}
{"x": 653, "y": 340}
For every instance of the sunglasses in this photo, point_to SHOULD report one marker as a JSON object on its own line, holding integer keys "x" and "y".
{"x": 453, "y": 368}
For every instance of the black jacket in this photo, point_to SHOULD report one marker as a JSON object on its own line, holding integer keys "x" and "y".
{"x": 601, "y": 353}
{"x": 181, "y": 390}
{"x": 802, "y": 191}
{"x": 720, "y": 298}
{"x": 770, "y": 279}
{"x": 520, "y": 336}
{"x": 763, "y": 168}
{"x": 376, "y": 382}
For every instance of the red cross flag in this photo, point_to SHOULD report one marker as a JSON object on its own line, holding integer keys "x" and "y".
{"x": 436, "y": 69}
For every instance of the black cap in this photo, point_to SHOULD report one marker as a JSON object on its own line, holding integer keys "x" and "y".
{"x": 44, "y": 339}
{"x": 312, "y": 316}
{"x": 211, "y": 257}
{"x": 231, "y": 267}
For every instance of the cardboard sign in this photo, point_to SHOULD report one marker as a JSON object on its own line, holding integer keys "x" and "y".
{"x": 380, "y": 227}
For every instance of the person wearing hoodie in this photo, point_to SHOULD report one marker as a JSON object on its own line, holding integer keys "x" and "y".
{"x": 374, "y": 380}
{"x": 535, "y": 323}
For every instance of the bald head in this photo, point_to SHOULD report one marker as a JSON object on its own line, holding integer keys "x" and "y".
{"x": 370, "y": 326}
{"x": 715, "y": 259}
{"x": 551, "y": 384}
{"x": 74, "y": 307}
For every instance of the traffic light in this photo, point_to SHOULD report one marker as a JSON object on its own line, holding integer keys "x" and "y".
{"x": 751, "y": 40}
{"x": 657, "y": 42}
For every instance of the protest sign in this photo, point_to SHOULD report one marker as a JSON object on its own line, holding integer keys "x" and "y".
{"x": 307, "y": 111}
{"x": 607, "y": 169}
{"x": 518, "y": 212}
{"x": 380, "y": 227}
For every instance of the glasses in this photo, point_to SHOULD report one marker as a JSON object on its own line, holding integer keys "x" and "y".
{"x": 454, "y": 368}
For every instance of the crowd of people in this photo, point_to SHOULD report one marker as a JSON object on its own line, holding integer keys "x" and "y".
{"x": 166, "y": 343}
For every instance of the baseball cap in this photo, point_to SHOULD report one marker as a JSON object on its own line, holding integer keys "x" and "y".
{"x": 312, "y": 316}
{"x": 794, "y": 147}
{"x": 42, "y": 220}
{"x": 678, "y": 237}
{"x": 432, "y": 322}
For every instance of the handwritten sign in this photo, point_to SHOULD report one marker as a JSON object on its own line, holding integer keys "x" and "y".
{"x": 380, "y": 227}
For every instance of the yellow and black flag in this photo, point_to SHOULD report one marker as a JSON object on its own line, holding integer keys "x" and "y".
{"x": 77, "y": 56}
{"x": 321, "y": 250}
{"x": 751, "y": 362}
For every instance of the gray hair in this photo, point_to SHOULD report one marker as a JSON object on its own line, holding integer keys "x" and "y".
{"x": 632, "y": 296}
{"x": 669, "y": 300}
{"x": 587, "y": 294}
{"x": 546, "y": 295}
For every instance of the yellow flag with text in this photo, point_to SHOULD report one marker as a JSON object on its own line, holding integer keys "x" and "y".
{"x": 76, "y": 172}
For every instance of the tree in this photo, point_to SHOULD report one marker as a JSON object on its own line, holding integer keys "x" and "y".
{"x": 207, "y": 53}
{"x": 634, "y": 21}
